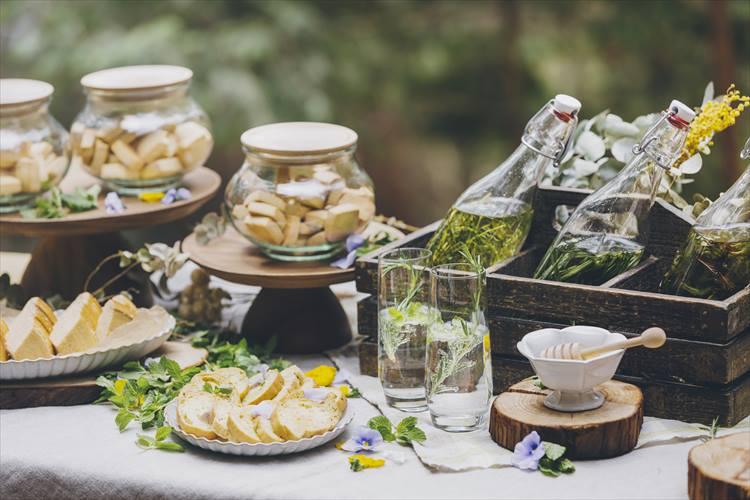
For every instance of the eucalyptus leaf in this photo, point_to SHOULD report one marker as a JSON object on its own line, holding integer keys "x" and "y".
{"x": 590, "y": 145}
{"x": 583, "y": 167}
{"x": 622, "y": 149}
{"x": 708, "y": 94}
{"x": 692, "y": 165}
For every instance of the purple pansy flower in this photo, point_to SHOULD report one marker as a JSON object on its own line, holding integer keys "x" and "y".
{"x": 113, "y": 204}
{"x": 353, "y": 242}
{"x": 173, "y": 195}
{"x": 528, "y": 452}
{"x": 364, "y": 439}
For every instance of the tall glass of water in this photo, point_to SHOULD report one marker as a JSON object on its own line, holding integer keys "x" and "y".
{"x": 403, "y": 319}
{"x": 459, "y": 373}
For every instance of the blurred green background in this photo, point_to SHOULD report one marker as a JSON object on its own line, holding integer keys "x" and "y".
{"x": 438, "y": 91}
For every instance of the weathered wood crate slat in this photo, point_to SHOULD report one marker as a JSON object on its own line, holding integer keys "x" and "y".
{"x": 708, "y": 351}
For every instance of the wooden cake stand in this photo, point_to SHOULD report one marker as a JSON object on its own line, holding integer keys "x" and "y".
{"x": 719, "y": 469}
{"x": 70, "y": 247}
{"x": 295, "y": 305}
{"x": 608, "y": 431}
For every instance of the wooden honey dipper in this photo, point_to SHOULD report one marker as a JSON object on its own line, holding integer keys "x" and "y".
{"x": 652, "y": 338}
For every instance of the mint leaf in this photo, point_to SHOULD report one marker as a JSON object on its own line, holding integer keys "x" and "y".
{"x": 81, "y": 200}
{"x": 144, "y": 442}
{"x": 406, "y": 424}
{"x": 415, "y": 434}
{"x": 383, "y": 426}
{"x": 123, "y": 418}
{"x": 169, "y": 446}
{"x": 355, "y": 465}
{"x": 553, "y": 451}
{"x": 354, "y": 393}
{"x": 163, "y": 432}
{"x": 566, "y": 466}
{"x": 547, "y": 467}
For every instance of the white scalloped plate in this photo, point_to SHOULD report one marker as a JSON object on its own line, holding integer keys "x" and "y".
{"x": 259, "y": 449}
{"x": 85, "y": 361}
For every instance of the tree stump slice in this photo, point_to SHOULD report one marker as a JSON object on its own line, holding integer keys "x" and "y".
{"x": 720, "y": 469}
{"x": 608, "y": 431}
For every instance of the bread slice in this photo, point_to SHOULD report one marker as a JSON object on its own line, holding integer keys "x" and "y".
{"x": 292, "y": 381}
{"x": 241, "y": 425}
{"x": 271, "y": 386}
{"x": 265, "y": 431}
{"x": 195, "y": 413}
{"x": 116, "y": 312}
{"x": 75, "y": 331}
{"x": 220, "y": 417}
{"x": 297, "y": 418}
{"x": 28, "y": 335}
{"x": 233, "y": 377}
{"x": 3, "y": 332}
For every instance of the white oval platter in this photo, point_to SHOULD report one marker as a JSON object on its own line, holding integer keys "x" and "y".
{"x": 259, "y": 449}
{"x": 86, "y": 361}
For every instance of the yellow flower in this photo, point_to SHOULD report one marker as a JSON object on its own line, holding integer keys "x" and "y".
{"x": 120, "y": 386}
{"x": 345, "y": 390}
{"x": 713, "y": 117}
{"x": 322, "y": 375}
{"x": 151, "y": 197}
{"x": 360, "y": 462}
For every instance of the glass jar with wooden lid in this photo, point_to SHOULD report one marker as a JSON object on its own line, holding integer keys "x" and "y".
{"x": 33, "y": 145}
{"x": 140, "y": 129}
{"x": 300, "y": 192}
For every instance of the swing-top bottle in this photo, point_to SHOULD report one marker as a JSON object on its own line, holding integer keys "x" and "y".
{"x": 714, "y": 262}
{"x": 491, "y": 219}
{"x": 607, "y": 233}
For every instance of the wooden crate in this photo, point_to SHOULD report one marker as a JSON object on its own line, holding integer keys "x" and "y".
{"x": 708, "y": 350}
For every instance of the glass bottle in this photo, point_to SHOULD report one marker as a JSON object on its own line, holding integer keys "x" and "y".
{"x": 492, "y": 218}
{"x": 606, "y": 234}
{"x": 714, "y": 262}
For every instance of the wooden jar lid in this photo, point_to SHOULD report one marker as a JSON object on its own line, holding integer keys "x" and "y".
{"x": 15, "y": 91}
{"x": 136, "y": 77}
{"x": 298, "y": 138}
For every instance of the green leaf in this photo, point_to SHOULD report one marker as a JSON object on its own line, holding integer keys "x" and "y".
{"x": 566, "y": 466}
{"x": 553, "y": 451}
{"x": 123, "y": 418}
{"x": 415, "y": 434}
{"x": 355, "y": 465}
{"x": 144, "y": 442}
{"x": 406, "y": 424}
{"x": 548, "y": 467}
{"x": 354, "y": 393}
{"x": 383, "y": 426}
{"x": 163, "y": 433}
{"x": 169, "y": 446}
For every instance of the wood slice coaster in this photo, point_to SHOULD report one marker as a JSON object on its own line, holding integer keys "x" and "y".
{"x": 82, "y": 389}
{"x": 607, "y": 431}
{"x": 720, "y": 469}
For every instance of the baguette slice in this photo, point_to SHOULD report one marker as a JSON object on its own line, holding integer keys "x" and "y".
{"x": 241, "y": 426}
{"x": 297, "y": 418}
{"x": 116, "y": 312}
{"x": 3, "y": 333}
{"x": 291, "y": 382}
{"x": 194, "y": 414}
{"x": 75, "y": 331}
{"x": 265, "y": 431}
{"x": 221, "y": 377}
{"x": 28, "y": 335}
{"x": 220, "y": 417}
{"x": 270, "y": 387}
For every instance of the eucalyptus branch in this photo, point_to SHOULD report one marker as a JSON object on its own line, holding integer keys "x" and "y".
{"x": 97, "y": 269}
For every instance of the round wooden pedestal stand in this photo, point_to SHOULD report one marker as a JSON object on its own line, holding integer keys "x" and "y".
{"x": 70, "y": 248}
{"x": 720, "y": 469}
{"x": 607, "y": 431}
{"x": 296, "y": 305}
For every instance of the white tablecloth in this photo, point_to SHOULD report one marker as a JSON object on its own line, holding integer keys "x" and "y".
{"x": 77, "y": 452}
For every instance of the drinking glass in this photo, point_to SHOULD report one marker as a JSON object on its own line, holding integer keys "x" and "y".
{"x": 403, "y": 319}
{"x": 458, "y": 372}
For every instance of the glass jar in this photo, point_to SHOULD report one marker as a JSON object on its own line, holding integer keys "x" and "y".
{"x": 300, "y": 192}
{"x": 33, "y": 145}
{"x": 140, "y": 130}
